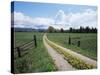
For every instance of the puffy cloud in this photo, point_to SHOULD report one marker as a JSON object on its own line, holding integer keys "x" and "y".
{"x": 21, "y": 20}
{"x": 61, "y": 20}
{"x": 60, "y": 17}
{"x": 86, "y": 18}
{"x": 43, "y": 21}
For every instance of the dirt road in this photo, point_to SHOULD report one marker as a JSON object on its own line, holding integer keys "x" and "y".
{"x": 84, "y": 58}
{"x": 59, "y": 61}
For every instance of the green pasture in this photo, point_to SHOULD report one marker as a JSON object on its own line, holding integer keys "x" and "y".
{"x": 34, "y": 59}
{"x": 88, "y": 42}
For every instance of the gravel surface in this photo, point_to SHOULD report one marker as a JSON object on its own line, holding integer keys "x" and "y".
{"x": 75, "y": 54}
{"x": 59, "y": 61}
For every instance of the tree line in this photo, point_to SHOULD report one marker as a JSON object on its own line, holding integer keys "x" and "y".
{"x": 51, "y": 29}
{"x": 72, "y": 30}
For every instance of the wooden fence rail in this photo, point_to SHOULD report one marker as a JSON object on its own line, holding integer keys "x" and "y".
{"x": 26, "y": 46}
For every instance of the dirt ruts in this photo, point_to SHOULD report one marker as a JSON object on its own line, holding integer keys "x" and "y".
{"x": 59, "y": 61}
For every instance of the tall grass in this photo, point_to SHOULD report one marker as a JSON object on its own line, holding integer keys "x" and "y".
{"x": 88, "y": 42}
{"x": 74, "y": 61}
{"x": 35, "y": 59}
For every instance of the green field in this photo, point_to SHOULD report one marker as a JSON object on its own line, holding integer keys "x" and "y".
{"x": 88, "y": 42}
{"x": 35, "y": 59}
{"x": 38, "y": 60}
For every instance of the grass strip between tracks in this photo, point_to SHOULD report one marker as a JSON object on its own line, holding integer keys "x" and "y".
{"x": 74, "y": 61}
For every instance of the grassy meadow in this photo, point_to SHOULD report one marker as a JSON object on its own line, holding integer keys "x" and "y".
{"x": 88, "y": 42}
{"x": 38, "y": 60}
{"x": 35, "y": 59}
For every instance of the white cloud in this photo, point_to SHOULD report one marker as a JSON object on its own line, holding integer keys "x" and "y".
{"x": 21, "y": 20}
{"x": 60, "y": 17}
{"x": 61, "y": 20}
{"x": 43, "y": 21}
{"x": 86, "y": 18}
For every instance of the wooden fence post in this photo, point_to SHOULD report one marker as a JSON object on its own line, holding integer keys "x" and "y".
{"x": 78, "y": 44}
{"x": 35, "y": 42}
{"x": 69, "y": 41}
{"x": 19, "y": 53}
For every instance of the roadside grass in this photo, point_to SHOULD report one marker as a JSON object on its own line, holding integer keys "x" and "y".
{"x": 88, "y": 42}
{"x": 35, "y": 59}
{"x": 74, "y": 61}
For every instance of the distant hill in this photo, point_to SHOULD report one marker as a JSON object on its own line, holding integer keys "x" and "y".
{"x": 28, "y": 30}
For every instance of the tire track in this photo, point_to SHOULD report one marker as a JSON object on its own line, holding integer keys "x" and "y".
{"x": 59, "y": 61}
{"x": 77, "y": 55}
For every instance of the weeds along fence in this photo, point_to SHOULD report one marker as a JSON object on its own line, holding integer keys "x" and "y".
{"x": 28, "y": 45}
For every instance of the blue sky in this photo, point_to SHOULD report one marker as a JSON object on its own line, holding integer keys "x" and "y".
{"x": 49, "y": 11}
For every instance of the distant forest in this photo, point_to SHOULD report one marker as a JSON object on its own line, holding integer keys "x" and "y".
{"x": 53, "y": 30}
{"x": 73, "y": 30}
